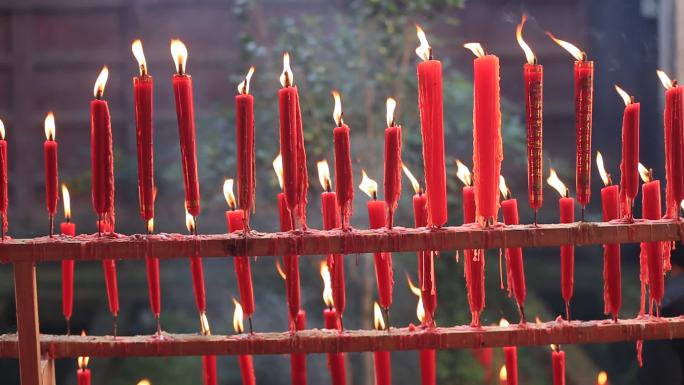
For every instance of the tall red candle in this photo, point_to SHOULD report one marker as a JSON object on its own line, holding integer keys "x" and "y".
{"x": 511, "y": 360}
{"x": 515, "y": 271}
{"x": 196, "y": 270}
{"x": 102, "y": 156}
{"x": 143, "y": 95}
{"x": 298, "y": 360}
{"x": 652, "y": 271}
{"x": 51, "y": 174}
{"x": 83, "y": 373}
{"x": 296, "y": 182}
{"x": 558, "y": 365}
{"x": 3, "y": 180}
{"x": 331, "y": 320}
{"x": 244, "y": 127}
{"x": 244, "y": 360}
{"x": 431, "y": 107}
{"x": 567, "y": 252}
{"x": 381, "y": 359}
{"x": 674, "y": 144}
{"x": 67, "y": 228}
{"x": 629, "y": 175}
{"x": 209, "y": 370}
{"x": 487, "y": 146}
{"x": 344, "y": 180}
{"x": 331, "y": 220}
{"x": 610, "y": 205}
{"x": 235, "y": 221}
{"x": 185, "y": 113}
{"x": 111, "y": 281}
{"x": 392, "y": 180}
{"x": 153, "y": 281}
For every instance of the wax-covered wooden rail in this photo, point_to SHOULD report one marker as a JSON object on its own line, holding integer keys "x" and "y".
{"x": 312, "y": 242}
{"x": 322, "y": 341}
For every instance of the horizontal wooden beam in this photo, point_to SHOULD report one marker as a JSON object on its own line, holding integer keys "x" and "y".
{"x": 324, "y": 341}
{"x": 317, "y": 242}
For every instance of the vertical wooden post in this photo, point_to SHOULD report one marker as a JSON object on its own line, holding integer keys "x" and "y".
{"x": 26, "y": 296}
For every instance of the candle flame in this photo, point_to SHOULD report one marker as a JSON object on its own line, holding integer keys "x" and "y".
{"x": 378, "y": 321}
{"x": 424, "y": 51}
{"x": 463, "y": 173}
{"x": 280, "y": 270}
{"x": 368, "y": 185}
{"x": 554, "y": 181}
{"x": 66, "y": 201}
{"x": 179, "y": 53}
{"x": 324, "y": 174}
{"x": 553, "y": 347}
{"x": 624, "y": 95}
{"x": 503, "y": 376}
{"x": 574, "y": 51}
{"x": 144, "y": 381}
{"x": 605, "y": 176}
{"x": 50, "y": 126}
{"x": 337, "y": 111}
{"x": 414, "y": 289}
{"x": 529, "y": 55}
{"x": 327, "y": 285}
{"x": 414, "y": 181}
{"x": 503, "y": 323}
{"x": 667, "y": 82}
{"x": 150, "y": 225}
{"x": 420, "y": 310}
{"x": 100, "y": 83}
{"x": 537, "y": 320}
{"x": 189, "y": 222}
{"x": 681, "y": 204}
{"x": 137, "y": 49}
{"x": 2, "y": 130}
{"x": 204, "y": 324}
{"x": 505, "y": 191}
{"x": 391, "y": 106}
{"x": 83, "y": 361}
{"x": 602, "y": 378}
{"x": 278, "y": 167}
{"x": 644, "y": 173}
{"x": 475, "y": 48}
{"x": 238, "y": 315}
{"x": 243, "y": 87}
{"x": 228, "y": 193}
{"x": 287, "y": 77}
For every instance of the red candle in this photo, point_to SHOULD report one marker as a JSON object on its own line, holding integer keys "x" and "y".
{"x": 209, "y": 370}
{"x": 392, "y": 181}
{"x": 67, "y": 228}
{"x": 629, "y": 178}
{"x": 515, "y": 271}
{"x": 102, "y": 156}
{"x": 344, "y": 181}
{"x": 51, "y": 174}
{"x": 331, "y": 320}
{"x": 245, "y": 360}
{"x": 511, "y": 360}
{"x": 296, "y": 182}
{"x": 153, "y": 282}
{"x": 610, "y": 205}
{"x": 244, "y": 125}
{"x": 558, "y": 365}
{"x": 109, "y": 267}
{"x": 182, "y": 91}
{"x": 83, "y": 373}
{"x": 382, "y": 359}
{"x": 652, "y": 270}
{"x": 567, "y": 215}
{"x": 3, "y": 180}
{"x": 487, "y": 146}
{"x": 674, "y": 145}
{"x": 533, "y": 75}
{"x": 431, "y": 108}
{"x": 298, "y": 360}
{"x": 143, "y": 91}
{"x": 196, "y": 270}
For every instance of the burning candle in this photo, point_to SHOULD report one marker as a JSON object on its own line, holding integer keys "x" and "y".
{"x": 291, "y": 278}
{"x": 474, "y": 261}
{"x": 344, "y": 180}
{"x": 384, "y": 274}
{"x": 610, "y": 205}
{"x": 292, "y": 145}
{"x": 143, "y": 95}
{"x": 185, "y": 113}
{"x": 245, "y": 360}
{"x": 83, "y": 373}
{"x": 102, "y": 156}
{"x": 392, "y": 181}
{"x": 331, "y": 318}
{"x": 558, "y": 365}
{"x": 602, "y": 378}
{"x": 487, "y": 146}
{"x": 651, "y": 272}
{"x": 243, "y": 271}
{"x": 153, "y": 282}
{"x": 431, "y": 108}
{"x": 567, "y": 215}
{"x": 515, "y": 272}
{"x": 381, "y": 359}
{"x": 428, "y": 369}
{"x": 511, "y": 359}
{"x": 244, "y": 126}
{"x": 197, "y": 273}
{"x": 584, "y": 94}
{"x": 533, "y": 75}
{"x": 3, "y": 181}
{"x": 51, "y": 174}
{"x": 674, "y": 145}
{"x": 67, "y": 228}
{"x": 208, "y": 362}
{"x": 503, "y": 376}
{"x": 629, "y": 178}
{"x": 426, "y": 260}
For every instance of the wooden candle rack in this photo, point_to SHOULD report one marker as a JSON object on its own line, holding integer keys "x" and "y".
{"x": 29, "y": 346}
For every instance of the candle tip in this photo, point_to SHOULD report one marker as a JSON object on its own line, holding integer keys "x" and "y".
{"x": 424, "y": 51}
{"x": 50, "y": 126}
{"x": 100, "y": 83}
{"x": 286, "y": 77}
{"x": 137, "y": 49}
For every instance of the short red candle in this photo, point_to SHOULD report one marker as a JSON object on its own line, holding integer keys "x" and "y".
{"x": 674, "y": 147}
{"x": 244, "y": 128}
{"x": 533, "y": 75}
{"x": 331, "y": 220}
{"x": 143, "y": 94}
{"x": 243, "y": 271}
{"x": 514, "y": 257}
{"x": 567, "y": 215}
{"x": 383, "y": 368}
{"x": 558, "y": 366}
{"x": 83, "y": 376}
{"x": 584, "y": 94}
{"x": 3, "y": 178}
{"x": 511, "y": 361}
{"x": 292, "y": 287}
{"x": 102, "y": 155}
{"x": 247, "y": 369}
{"x": 198, "y": 283}
{"x": 383, "y": 261}
{"x": 651, "y": 210}
{"x": 344, "y": 180}
{"x": 51, "y": 173}
{"x": 428, "y": 369}
{"x": 474, "y": 262}
{"x": 392, "y": 180}
{"x": 298, "y": 360}
{"x": 209, "y": 370}
{"x": 611, "y": 254}
{"x": 336, "y": 364}
{"x": 629, "y": 174}
{"x": 67, "y": 228}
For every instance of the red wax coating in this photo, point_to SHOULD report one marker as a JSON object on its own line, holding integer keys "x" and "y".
{"x": 244, "y": 127}
{"x": 344, "y": 180}
{"x": 651, "y": 210}
{"x": 247, "y": 370}
{"x": 67, "y": 228}
{"x": 584, "y": 94}
{"x": 487, "y": 146}
{"x": 468, "y": 204}
{"x": 83, "y": 376}
{"x": 198, "y": 283}
{"x": 296, "y": 182}
{"x": 185, "y": 113}
{"x": 143, "y": 91}
{"x": 3, "y": 182}
{"x": 612, "y": 285}
{"x": 331, "y": 220}
{"x": 51, "y": 175}
{"x": 474, "y": 262}
{"x": 243, "y": 270}
{"x": 383, "y": 368}
{"x": 384, "y": 274}
{"x": 567, "y": 215}
{"x": 292, "y": 288}
{"x": 336, "y": 364}
{"x": 102, "y": 157}
{"x": 109, "y": 267}
{"x": 674, "y": 147}
{"x": 534, "y": 89}
{"x": 629, "y": 173}
{"x": 392, "y": 182}
{"x": 209, "y": 370}
{"x": 431, "y": 109}
{"x": 153, "y": 284}
{"x": 298, "y": 361}
{"x": 426, "y": 261}
{"x": 515, "y": 271}
{"x": 428, "y": 367}
{"x": 511, "y": 361}
{"x": 558, "y": 367}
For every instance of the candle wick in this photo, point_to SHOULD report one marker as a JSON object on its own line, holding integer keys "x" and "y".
{"x": 610, "y": 180}
{"x": 99, "y": 94}
{"x": 374, "y": 195}
{"x": 583, "y": 56}
{"x": 143, "y": 70}
{"x": 287, "y": 79}
{"x": 68, "y": 219}
{"x": 650, "y": 174}
{"x": 534, "y": 59}
{"x": 429, "y": 53}
{"x": 674, "y": 82}
{"x": 181, "y": 70}
{"x": 567, "y": 192}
